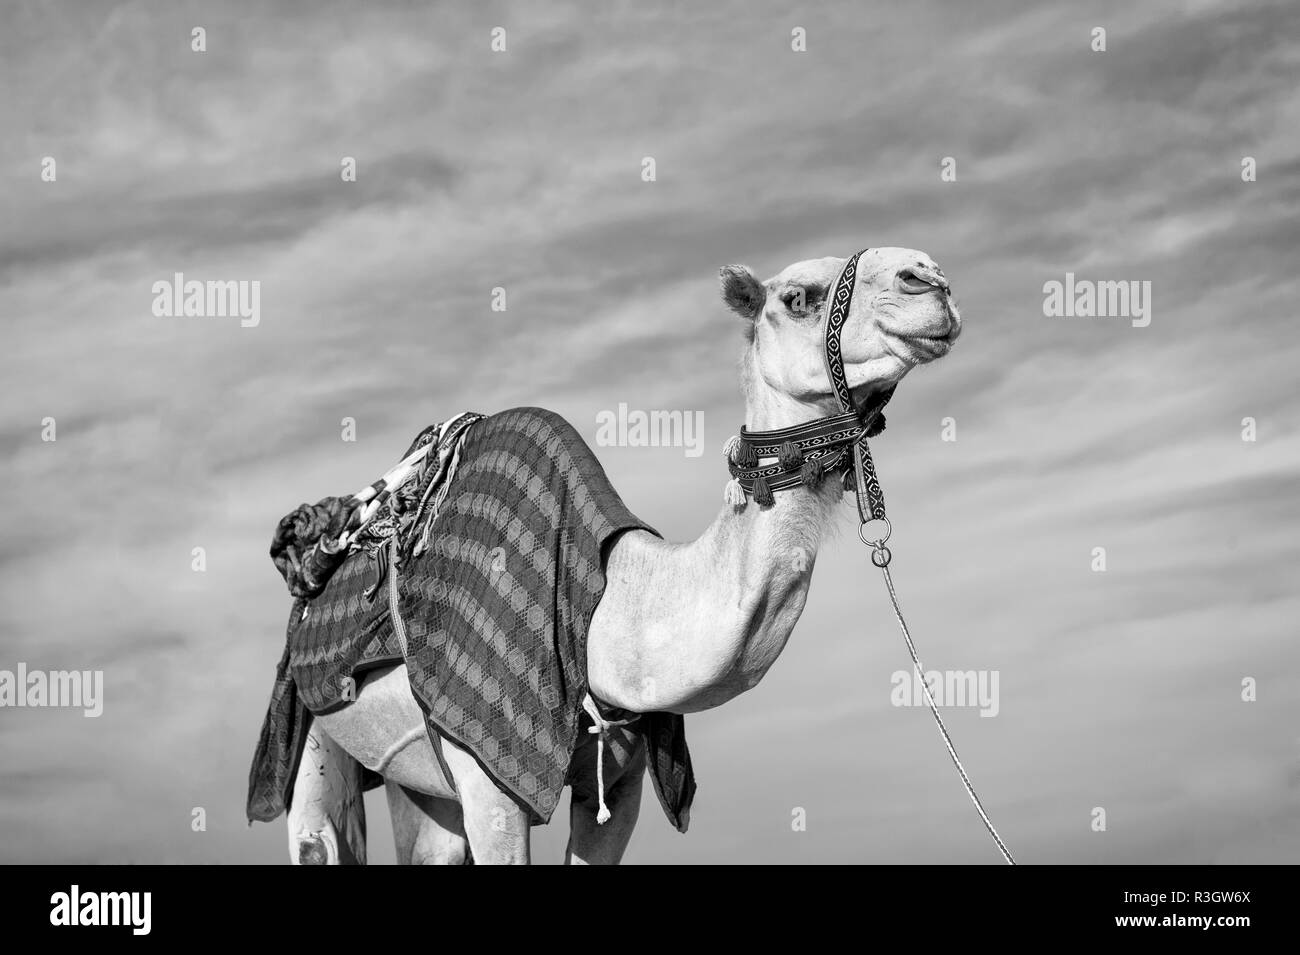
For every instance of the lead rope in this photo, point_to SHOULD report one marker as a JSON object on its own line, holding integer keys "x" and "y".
{"x": 871, "y": 507}
{"x": 934, "y": 710}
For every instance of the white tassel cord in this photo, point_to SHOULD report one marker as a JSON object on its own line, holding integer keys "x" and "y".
{"x": 601, "y": 727}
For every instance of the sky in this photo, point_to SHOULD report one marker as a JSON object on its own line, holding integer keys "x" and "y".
{"x": 1120, "y": 690}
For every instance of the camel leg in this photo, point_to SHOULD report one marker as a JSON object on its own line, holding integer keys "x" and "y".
{"x": 625, "y": 760}
{"x": 496, "y": 826}
{"x": 427, "y": 831}
{"x": 327, "y": 814}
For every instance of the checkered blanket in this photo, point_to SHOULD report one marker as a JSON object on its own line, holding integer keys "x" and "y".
{"x": 496, "y": 612}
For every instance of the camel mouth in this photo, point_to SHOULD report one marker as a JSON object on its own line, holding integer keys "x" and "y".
{"x": 921, "y": 347}
{"x": 938, "y": 344}
{"x": 932, "y": 340}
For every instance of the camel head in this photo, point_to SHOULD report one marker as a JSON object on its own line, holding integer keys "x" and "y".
{"x": 903, "y": 315}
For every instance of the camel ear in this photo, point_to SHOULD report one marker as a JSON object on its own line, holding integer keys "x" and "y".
{"x": 743, "y": 293}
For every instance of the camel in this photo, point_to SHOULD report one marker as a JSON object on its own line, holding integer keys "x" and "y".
{"x": 681, "y": 627}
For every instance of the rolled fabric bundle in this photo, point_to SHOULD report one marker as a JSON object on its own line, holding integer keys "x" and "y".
{"x": 296, "y": 536}
{"x": 325, "y": 557}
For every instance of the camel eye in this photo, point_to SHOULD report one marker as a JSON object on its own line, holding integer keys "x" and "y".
{"x": 795, "y": 299}
{"x": 801, "y": 300}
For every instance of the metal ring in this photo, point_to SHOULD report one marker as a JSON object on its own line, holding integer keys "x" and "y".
{"x": 881, "y": 556}
{"x": 873, "y": 542}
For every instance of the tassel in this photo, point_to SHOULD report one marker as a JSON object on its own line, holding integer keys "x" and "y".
{"x": 746, "y": 456}
{"x": 789, "y": 457}
{"x": 734, "y": 493}
{"x": 812, "y": 472}
{"x": 763, "y": 493}
{"x": 877, "y": 426}
{"x": 731, "y": 447}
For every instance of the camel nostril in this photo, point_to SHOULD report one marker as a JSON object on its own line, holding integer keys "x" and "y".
{"x": 913, "y": 284}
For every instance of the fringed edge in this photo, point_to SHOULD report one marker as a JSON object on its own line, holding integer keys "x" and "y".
{"x": 734, "y": 493}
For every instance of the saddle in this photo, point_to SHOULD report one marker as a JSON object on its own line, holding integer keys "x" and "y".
{"x": 311, "y": 542}
{"x": 493, "y": 549}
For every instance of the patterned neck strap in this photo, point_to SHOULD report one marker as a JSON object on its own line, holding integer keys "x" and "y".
{"x": 836, "y": 444}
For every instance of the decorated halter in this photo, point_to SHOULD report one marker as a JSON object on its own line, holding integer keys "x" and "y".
{"x": 835, "y": 445}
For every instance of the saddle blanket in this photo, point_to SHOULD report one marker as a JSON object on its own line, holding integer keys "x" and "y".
{"x": 496, "y": 612}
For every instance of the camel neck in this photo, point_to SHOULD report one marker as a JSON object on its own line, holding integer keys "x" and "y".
{"x": 761, "y": 559}
{"x": 686, "y": 627}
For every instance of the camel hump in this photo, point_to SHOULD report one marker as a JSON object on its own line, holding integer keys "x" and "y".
{"x": 545, "y": 440}
{"x": 540, "y": 421}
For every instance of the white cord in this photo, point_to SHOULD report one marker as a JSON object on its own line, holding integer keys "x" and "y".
{"x": 943, "y": 730}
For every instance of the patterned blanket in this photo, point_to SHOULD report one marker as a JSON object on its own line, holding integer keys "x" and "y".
{"x": 496, "y": 612}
